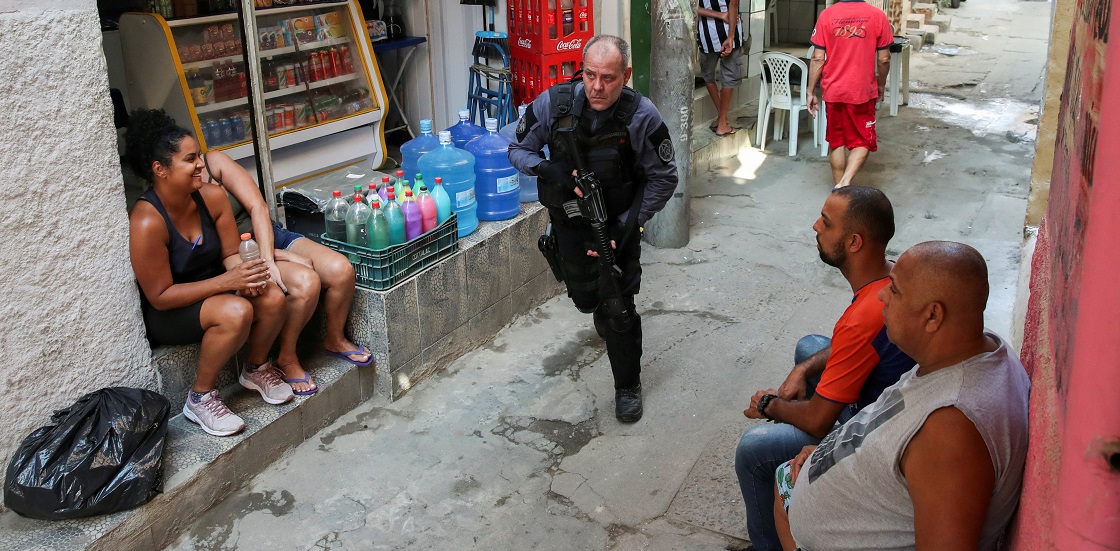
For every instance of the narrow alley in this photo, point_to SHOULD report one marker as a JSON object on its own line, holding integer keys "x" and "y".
{"x": 515, "y": 445}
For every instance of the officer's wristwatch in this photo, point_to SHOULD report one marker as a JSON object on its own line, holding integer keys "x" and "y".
{"x": 763, "y": 402}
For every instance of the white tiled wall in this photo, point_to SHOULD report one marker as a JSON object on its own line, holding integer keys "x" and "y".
{"x": 795, "y": 20}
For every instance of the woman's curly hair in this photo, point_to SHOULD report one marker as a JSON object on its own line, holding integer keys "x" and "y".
{"x": 151, "y": 136}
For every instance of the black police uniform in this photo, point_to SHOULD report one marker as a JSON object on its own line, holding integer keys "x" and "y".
{"x": 628, "y": 148}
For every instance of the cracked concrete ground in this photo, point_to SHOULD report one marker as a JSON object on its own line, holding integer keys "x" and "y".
{"x": 515, "y": 445}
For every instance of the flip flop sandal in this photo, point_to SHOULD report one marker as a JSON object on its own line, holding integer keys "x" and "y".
{"x": 728, "y": 133}
{"x": 346, "y": 355}
{"x": 305, "y": 379}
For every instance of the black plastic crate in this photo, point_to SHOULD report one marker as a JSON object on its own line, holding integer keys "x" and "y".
{"x": 382, "y": 270}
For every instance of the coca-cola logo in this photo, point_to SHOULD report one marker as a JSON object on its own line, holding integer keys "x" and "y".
{"x": 525, "y": 43}
{"x": 574, "y": 44}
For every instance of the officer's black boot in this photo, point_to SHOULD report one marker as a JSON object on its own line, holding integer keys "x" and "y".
{"x": 628, "y": 404}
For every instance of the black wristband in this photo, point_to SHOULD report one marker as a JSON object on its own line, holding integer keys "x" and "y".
{"x": 763, "y": 403}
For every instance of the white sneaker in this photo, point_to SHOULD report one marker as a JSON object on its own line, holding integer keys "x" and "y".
{"x": 212, "y": 415}
{"x": 266, "y": 380}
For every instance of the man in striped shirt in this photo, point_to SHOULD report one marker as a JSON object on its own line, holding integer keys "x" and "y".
{"x": 720, "y": 37}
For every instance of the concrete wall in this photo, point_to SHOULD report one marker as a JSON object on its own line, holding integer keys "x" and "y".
{"x": 1062, "y": 18}
{"x": 70, "y": 308}
{"x": 1071, "y": 489}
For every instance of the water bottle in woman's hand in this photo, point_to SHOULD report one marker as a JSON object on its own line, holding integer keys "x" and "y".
{"x": 248, "y": 250}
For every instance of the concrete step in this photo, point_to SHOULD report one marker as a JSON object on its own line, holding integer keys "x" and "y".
{"x": 917, "y": 39}
{"x": 931, "y": 33}
{"x": 200, "y": 470}
{"x": 942, "y": 22}
{"x": 915, "y": 21}
{"x": 926, "y": 10}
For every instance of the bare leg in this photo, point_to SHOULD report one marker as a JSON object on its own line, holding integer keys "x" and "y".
{"x": 723, "y": 125}
{"x": 225, "y": 320}
{"x": 837, "y": 159}
{"x": 855, "y": 160}
{"x": 303, "y": 295}
{"x": 268, "y": 317}
{"x": 781, "y": 522}
{"x": 713, "y": 92}
{"x": 337, "y": 277}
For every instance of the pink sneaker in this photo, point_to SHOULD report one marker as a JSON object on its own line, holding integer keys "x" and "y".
{"x": 212, "y": 415}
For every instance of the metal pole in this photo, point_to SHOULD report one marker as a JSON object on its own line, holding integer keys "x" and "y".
{"x": 250, "y": 50}
{"x": 671, "y": 80}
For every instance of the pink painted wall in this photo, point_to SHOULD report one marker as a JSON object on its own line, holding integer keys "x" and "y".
{"x": 1071, "y": 490}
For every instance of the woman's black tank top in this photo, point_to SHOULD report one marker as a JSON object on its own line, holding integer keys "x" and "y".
{"x": 190, "y": 262}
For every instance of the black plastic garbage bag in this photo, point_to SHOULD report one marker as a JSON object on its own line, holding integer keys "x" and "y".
{"x": 102, "y": 454}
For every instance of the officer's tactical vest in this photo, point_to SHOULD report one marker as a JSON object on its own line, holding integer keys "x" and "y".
{"x": 608, "y": 153}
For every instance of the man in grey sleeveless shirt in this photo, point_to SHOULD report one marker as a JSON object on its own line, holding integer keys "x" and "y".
{"x": 937, "y": 461}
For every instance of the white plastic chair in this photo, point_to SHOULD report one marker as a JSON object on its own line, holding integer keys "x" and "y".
{"x": 781, "y": 96}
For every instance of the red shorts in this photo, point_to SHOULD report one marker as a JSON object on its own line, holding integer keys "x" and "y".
{"x": 851, "y": 125}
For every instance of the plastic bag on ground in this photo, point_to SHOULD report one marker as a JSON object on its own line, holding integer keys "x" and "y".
{"x": 101, "y": 455}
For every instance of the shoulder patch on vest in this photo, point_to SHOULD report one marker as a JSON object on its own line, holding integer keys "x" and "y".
{"x": 526, "y": 122}
{"x": 659, "y": 140}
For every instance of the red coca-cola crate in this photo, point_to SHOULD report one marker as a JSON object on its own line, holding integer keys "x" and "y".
{"x": 534, "y": 73}
{"x": 550, "y": 26}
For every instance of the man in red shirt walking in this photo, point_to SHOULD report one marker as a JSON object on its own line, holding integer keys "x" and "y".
{"x": 851, "y": 43}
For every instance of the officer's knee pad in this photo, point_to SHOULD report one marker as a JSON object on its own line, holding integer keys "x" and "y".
{"x": 586, "y": 301}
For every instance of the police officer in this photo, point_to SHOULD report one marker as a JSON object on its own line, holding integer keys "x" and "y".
{"x": 624, "y": 142}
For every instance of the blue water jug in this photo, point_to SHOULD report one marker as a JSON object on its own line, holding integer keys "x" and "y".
{"x": 464, "y": 131}
{"x": 415, "y": 148}
{"x": 456, "y": 167}
{"x": 495, "y": 180}
{"x": 527, "y": 182}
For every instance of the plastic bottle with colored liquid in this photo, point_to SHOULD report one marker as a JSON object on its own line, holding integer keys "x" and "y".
{"x": 442, "y": 201}
{"x": 335, "y": 215}
{"x": 413, "y": 225}
{"x": 371, "y": 194}
{"x": 378, "y": 227}
{"x": 395, "y": 219}
{"x": 357, "y": 222}
{"x": 456, "y": 167}
{"x": 429, "y": 214}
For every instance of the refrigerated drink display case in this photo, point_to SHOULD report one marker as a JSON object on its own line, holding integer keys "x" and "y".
{"x": 322, "y": 88}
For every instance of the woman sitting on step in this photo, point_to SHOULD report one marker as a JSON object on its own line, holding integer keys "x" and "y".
{"x": 194, "y": 288}
{"x": 300, "y": 266}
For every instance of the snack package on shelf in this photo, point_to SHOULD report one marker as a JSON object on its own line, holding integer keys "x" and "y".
{"x": 302, "y": 29}
{"x": 329, "y": 25}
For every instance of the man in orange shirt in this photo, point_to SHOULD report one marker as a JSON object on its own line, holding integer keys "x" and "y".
{"x": 833, "y": 378}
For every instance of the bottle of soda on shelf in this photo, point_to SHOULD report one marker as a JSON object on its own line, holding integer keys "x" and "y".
{"x": 550, "y": 19}
{"x": 568, "y": 19}
{"x": 248, "y": 250}
{"x": 429, "y": 216}
{"x": 442, "y": 201}
{"x": 378, "y": 227}
{"x": 394, "y": 216}
{"x": 357, "y": 222}
{"x": 335, "y": 215}
{"x": 413, "y": 223}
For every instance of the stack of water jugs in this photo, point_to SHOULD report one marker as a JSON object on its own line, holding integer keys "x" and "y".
{"x": 470, "y": 173}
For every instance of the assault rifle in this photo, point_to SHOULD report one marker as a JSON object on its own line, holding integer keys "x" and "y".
{"x": 594, "y": 209}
